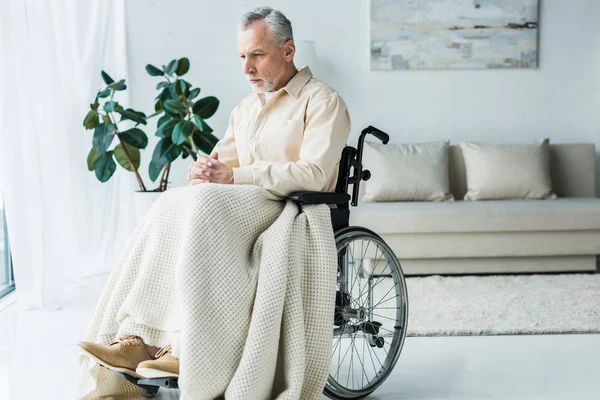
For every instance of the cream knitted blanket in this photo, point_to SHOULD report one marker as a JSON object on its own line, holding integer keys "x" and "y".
{"x": 238, "y": 281}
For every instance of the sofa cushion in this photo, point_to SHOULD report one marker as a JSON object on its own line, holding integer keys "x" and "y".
{"x": 406, "y": 172}
{"x": 507, "y": 171}
{"x": 474, "y": 216}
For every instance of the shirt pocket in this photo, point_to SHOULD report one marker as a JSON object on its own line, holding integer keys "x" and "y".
{"x": 281, "y": 139}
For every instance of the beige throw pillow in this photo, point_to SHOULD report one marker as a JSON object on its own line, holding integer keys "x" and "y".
{"x": 507, "y": 171}
{"x": 408, "y": 172}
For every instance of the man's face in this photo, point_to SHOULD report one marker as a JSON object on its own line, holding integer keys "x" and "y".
{"x": 262, "y": 59}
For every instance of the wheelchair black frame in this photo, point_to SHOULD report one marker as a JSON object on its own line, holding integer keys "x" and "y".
{"x": 351, "y": 158}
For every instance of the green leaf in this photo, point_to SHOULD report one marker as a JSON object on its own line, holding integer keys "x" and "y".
{"x": 169, "y": 93}
{"x": 183, "y": 66}
{"x": 203, "y": 142}
{"x": 172, "y": 67}
{"x": 166, "y": 128}
{"x": 165, "y": 151}
{"x": 186, "y": 150}
{"x": 206, "y": 107}
{"x": 171, "y": 154}
{"x": 134, "y": 155}
{"x": 104, "y": 93}
{"x": 133, "y": 115}
{"x": 154, "y": 169}
{"x": 166, "y": 94}
{"x": 110, "y": 106}
{"x": 212, "y": 139}
{"x": 201, "y": 124}
{"x": 194, "y": 93}
{"x": 153, "y": 71}
{"x": 91, "y": 120}
{"x": 162, "y": 120}
{"x": 107, "y": 79}
{"x": 171, "y": 113}
{"x": 135, "y": 137}
{"x": 174, "y": 106}
{"x": 174, "y": 91}
{"x": 103, "y": 137}
{"x": 105, "y": 167}
{"x": 161, "y": 85}
{"x": 95, "y": 105}
{"x": 158, "y": 106}
{"x": 92, "y": 158}
{"x": 182, "y": 130}
{"x": 182, "y": 87}
{"x": 118, "y": 85}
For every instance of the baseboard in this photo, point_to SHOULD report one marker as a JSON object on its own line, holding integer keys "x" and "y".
{"x": 501, "y": 265}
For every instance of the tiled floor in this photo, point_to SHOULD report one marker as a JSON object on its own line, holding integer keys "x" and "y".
{"x": 41, "y": 363}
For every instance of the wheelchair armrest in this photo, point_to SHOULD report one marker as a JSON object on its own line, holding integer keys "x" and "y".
{"x": 319, "y": 197}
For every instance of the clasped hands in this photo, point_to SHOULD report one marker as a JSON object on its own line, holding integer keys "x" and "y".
{"x": 209, "y": 169}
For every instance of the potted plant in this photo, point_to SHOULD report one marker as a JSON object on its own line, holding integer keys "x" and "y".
{"x": 181, "y": 126}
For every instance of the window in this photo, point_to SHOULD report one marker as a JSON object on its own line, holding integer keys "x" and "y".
{"x": 7, "y": 283}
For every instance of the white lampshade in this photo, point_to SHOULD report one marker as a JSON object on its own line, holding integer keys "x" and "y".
{"x": 306, "y": 54}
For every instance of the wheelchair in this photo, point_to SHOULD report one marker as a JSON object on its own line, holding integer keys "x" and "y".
{"x": 371, "y": 304}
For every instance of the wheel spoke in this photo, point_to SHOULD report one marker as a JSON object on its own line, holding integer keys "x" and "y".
{"x": 362, "y": 282}
{"x": 385, "y": 301}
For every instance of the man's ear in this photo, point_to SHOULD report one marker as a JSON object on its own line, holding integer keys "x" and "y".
{"x": 289, "y": 50}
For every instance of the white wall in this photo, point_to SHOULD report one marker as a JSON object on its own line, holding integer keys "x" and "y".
{"x": 559, "y": 100}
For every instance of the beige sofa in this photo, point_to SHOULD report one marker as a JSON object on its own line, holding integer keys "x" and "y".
{"x": 497, "y": 236}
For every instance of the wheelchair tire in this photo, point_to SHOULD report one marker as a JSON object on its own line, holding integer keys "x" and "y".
{"x": 360, "y": 324}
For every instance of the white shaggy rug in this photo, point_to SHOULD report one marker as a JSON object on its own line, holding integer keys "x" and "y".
{"x": 504, "y": 304}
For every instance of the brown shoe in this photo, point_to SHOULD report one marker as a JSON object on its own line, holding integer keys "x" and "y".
{"x": 124, "y": 355}
{"x": 164, "y": 366}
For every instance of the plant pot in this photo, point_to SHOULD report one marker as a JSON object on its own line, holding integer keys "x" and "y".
{"x": 143, "y": 201}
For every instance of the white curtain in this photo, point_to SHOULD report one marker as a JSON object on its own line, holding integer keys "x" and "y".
{"x": 65, "y": 227}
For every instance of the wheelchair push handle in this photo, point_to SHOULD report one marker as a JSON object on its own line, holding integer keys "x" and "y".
{"x": 359, "y": 173}
{"x": 381, "y": 135}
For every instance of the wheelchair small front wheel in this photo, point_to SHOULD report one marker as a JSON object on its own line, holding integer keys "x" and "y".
{"x": 371, "y": 314}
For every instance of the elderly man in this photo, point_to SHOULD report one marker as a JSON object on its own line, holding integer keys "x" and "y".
{"x": 287, "y": 136}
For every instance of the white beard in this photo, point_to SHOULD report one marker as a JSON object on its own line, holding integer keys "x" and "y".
{"x": 269, "y": 84}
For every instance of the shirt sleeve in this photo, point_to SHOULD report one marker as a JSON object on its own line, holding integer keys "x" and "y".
{"x": 327, "y": 128}
{"x": 226, "y": 147}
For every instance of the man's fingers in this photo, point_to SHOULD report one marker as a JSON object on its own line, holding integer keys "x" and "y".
{"x": 201, "y": 171}
{"x": 193, "y": 175}
{"x": 205, "y": 161}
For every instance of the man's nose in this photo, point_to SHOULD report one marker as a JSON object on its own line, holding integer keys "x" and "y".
{"x": 249, "y": 67}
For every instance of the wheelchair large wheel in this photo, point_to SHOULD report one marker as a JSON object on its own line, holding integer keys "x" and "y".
{"x": 371, "y": 314}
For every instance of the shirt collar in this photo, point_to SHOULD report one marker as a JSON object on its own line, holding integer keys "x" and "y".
{"x": 298, "y": 81}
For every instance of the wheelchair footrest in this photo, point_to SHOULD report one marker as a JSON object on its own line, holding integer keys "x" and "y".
{"x": 167, "y": 382}
{"x": 150, "y": 384}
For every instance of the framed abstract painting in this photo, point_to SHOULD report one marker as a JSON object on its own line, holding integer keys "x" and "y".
{"x": 453, "y": 34}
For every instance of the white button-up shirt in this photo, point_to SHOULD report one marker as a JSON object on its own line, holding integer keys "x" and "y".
{"x": 291, "y": 143}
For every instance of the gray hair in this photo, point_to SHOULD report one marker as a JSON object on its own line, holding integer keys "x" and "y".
{"x": 280, "y": 28}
